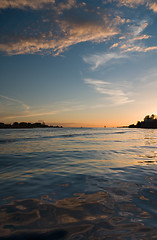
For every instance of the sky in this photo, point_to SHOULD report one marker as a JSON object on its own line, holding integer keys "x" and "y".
{"x": 78, "y": 63}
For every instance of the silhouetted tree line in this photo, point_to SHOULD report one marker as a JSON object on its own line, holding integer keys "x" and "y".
{"x": 27, "y": 125}
{"x": 149, "y": 122}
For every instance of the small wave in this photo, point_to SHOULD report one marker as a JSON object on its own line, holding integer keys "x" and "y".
{"x": 68, "y": 135}
{"x": 12, "y": 140}
{"x": 3, "y": 141}
{"x": 82, "y": 134}
{"x": 119, "y": 132}
{"x": 77, "y": 135}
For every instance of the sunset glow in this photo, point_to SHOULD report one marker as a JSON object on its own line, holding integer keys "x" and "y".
{"x": 78, "y": 63}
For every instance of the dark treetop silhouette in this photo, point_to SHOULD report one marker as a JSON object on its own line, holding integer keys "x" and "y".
{"x": 27, "y": 125}
{"x": 148, "y": 122}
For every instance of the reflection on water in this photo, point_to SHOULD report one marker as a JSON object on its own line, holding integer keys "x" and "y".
{"x": 78, "y": 184}
{"x": 101, "y": 215}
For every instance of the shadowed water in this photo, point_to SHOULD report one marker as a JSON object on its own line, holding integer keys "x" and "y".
{"x": 78, "y": 184}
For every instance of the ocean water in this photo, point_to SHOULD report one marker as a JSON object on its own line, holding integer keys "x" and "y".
{"x": 78, "y": 184}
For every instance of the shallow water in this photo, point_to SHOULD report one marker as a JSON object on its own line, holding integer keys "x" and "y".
{"x": 78, "y": 183}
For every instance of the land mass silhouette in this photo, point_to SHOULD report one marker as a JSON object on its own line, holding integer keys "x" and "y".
{"x": 27, "y": 125}
{"x": 148, "y": 122}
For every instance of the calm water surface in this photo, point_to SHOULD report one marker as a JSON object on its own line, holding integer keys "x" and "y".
{"x": 78, "y": 184}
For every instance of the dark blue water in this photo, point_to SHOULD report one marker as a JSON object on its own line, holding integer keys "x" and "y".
{"x": 78, "y": 184}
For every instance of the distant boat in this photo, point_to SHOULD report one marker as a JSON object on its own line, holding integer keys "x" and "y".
{"x": 105, "y": 126}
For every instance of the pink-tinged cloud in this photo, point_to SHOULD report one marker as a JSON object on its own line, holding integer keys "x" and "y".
{"x": 140, "y": 49}
{"x": 114, "y": 45}
{"x": 133, "y": 41}
{"x": 152, "y": 48}
{"x": 68, "y": 4}
{"x": 142, "y": 37}
{"x": 150, "y": 4}
{"x": 65, "y": 30}
{"x": 131, "y": 3}
{"x": 34, "y": 4}
{"x": 153, "y": 6}
{"x": 131, "y": 49}
{"x": 38, "y": 4}
{"x": 71, "y": 31}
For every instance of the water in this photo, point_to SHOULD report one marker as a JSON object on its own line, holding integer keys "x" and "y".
{"x": 78, "y": 184}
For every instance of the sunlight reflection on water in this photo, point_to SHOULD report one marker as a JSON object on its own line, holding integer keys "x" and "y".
{"x": 78, "y": 184}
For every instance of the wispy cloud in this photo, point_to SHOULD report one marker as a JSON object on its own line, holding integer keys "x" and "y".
{"x": 140, "y": 49}
{"x": 68, "y": 4}
{"x": 71, "y": 34}
{"x": 132, "y": 3}
{"x": 23, "y": 111}
{"x": 97, "y": 60}
{"x": 153, "y": 6}
{"x": 138, "y": 28}
{"x": 114, "y": 45}
{"x": 142, "y": 37}
{"x": 147, "y": 49}
{"x": 130, "y": 41}
{"x": 9, "y": 101}
{"x": 150, "y": 4}
{"x": 149, "y": 76}
{"x": 58, "y": 7}
{"x": 134, "y": 38}
{"x": 30, "y": 114}
{"x": 38, "y": 113}
{"x": 113, "y": 92}
{"x": 22, "y": 4}
{"x": 133, "y": 41}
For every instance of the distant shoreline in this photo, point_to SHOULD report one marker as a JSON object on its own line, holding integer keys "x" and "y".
{"x": 20, "y": 125}
{"x": 148, "y": 122}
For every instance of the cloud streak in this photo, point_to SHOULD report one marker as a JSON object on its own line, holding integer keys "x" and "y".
{"x": 97, "y": 60}
{"x": 114, "y": 93}
{"x": 10, "y": 101}
{"x": 133, "y": 39}
{"x": 36, "y": 4}
{"x": 150, "y": 4}
{"x": 153, "y": 6}
{"x": 21, "y": 110}
{"x": 68, "y": 4}
{"x": 71, "y": 34}
{"x": 129, "y": 42}
{"x": 132, "y": 3}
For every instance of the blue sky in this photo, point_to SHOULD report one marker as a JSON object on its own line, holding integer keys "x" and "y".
{"x": 78, "y": 63}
